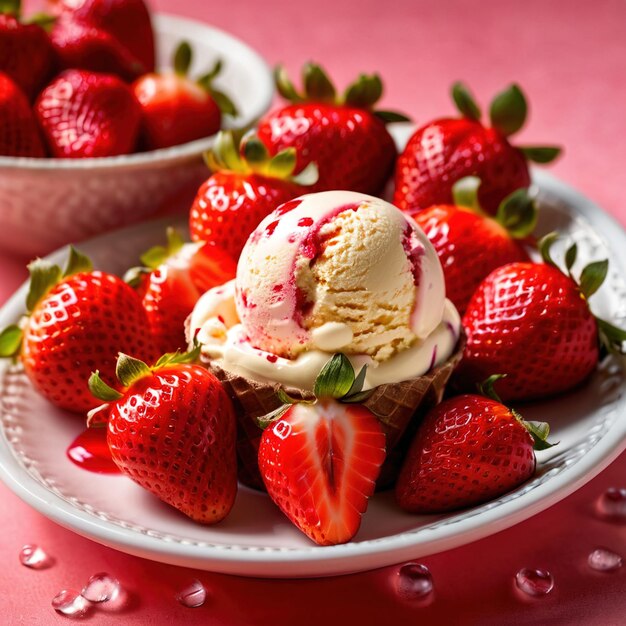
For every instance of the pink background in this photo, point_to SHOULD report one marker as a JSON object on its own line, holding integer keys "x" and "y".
{"x": 570, "y": 58}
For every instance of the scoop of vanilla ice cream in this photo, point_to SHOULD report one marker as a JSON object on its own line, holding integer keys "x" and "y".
{"x": 338, "y": 271}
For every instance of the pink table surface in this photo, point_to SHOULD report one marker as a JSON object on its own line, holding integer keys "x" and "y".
{"x": 570, "y": 57}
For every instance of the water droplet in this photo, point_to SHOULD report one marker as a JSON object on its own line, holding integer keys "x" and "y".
{"x": 31, "y": 555}
{"x": 193, "y": 595}
{"x": 414, "y": 581}
{"x": 612, "y": 504}
{"x": 101, "y": 588}
{"x": 604, "y": 560}
{"x": 70, "y": 603}
{"x": 534, "y": 582}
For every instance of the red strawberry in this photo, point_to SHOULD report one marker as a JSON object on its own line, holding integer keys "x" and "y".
{"x": 469, "y": 449}
{"x": 471, "y": 245}
{"x": 177, "y": 109}
{"x": 76, "y": 320}
{"x": 320, "y": 462}
{"x": 19, "y": 133}
{"x": 177, "y": 275}
{"x": 242, "y": 191}
{"x": 25, "y": 51}
{"x": 172, "y": 431}
{"x": 85, "y": 114}
{"x": 79, "y": 45}
{"x": 532, "y": 322}
{"x": 343, "y": 135}
{"x": 126, "y": 21}
{"x": 446, "y": 150}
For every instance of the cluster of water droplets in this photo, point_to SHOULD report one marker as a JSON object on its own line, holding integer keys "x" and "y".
{"x": 100, "y": 588}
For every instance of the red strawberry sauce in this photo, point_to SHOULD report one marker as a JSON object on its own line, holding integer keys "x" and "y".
{"x": 90, "y": 451}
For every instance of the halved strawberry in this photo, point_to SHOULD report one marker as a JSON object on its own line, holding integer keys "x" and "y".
{"x": 320, "y": 461}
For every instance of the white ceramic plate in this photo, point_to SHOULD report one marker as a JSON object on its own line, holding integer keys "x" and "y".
{"x": 256, "y": 540}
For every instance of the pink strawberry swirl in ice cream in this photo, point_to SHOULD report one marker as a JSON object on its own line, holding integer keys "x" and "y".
{"x": 331, "y": 272}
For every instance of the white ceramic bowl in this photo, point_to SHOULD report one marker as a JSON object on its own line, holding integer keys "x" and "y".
{"x": 45, "y": 203}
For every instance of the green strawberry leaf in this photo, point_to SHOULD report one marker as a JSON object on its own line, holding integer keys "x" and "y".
{"x": 128, "y": 369}
{"x": 508, "y": 110}
{"x": 390, "y": 117}
{"x": 10, "y": 341}
{"x": 282, "y": 164}
{"x": 465, "y": 193}
{"x": 182, "y": 58}
{"x": 205, "y": 80}
{"x": 335, "y": 379}
{"x": 255, "y": 152}
{"x": 76, "y": 263}
{"x": 224, "y": 103}
{"x": 593, "y": 276}
{"x": 317, "y": 86}
{"x": 265, "y": 420}
{"x": 364, "y": 92}
{"x": 518, "y": 214}
{"x": 486, "y": 388}
{"x": 134, "y": 276}
{"x": 43, "y": 277}
{"x": 11, "y": 7}
{"x": 544, "y": 245}
{"x": 157, "y": 255}
{"x": 465, "y": 102}
{"x": 539, "y": 431}
{"x": 285, "y": 398}
{"x": 284, "y": 85}
{"x": 178, "y": 357}
{"x": 570, "y": 257}
{"x": 101, "y": 390}
{"x": 541, "y": 154}
{"x": 44, "y": 20}
{"x": 611, "y": 337}
{"x": 225, "y": 154}
{"x": 355, "y": 394}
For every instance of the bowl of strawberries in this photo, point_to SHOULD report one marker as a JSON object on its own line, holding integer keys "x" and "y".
{"x": 104, "y": 125}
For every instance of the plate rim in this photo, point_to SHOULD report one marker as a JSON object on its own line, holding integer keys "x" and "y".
{"x": 312, "y": 561}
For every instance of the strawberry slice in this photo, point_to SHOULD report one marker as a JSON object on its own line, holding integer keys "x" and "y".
{"x": 320, "y": 463}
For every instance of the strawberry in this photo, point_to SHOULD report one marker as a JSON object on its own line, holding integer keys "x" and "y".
{"x": 532, "y": 322}
{"x": 75, "y": 319}
{"x": 85, "y": 114}
{"x": 177, "y": 109}
{"x": 470, "y": 245}
{"x": 172, "y": 431}
{"x": 320, "y": 462}
{"x": 446, "y": 150}
{"x": 19, "y": 133}
{"x": 26, "y": 54}
{"x": 127, "y": 22}
{"x": 177, "y": 275}
{"x": 79, "y": 45}
{"x": 343, "y": 135}
{"x": 469, "y": 449}
{"x": 242, "y": 191}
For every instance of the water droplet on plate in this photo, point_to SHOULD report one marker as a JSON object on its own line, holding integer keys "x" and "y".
{"x": 193, "y": 595}
{"x": 101, "y": 588}
{"x": 534, "y": 582}
{"x": 70, "y": 603}
{"x": 604, "y": 560}
{"x": 414, "y": 581}
{"x": 612, "y": 504}
{"x": 31, "y": 555}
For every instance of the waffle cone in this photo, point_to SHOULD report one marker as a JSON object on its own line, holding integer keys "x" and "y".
{"x": 398, "y": 406}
